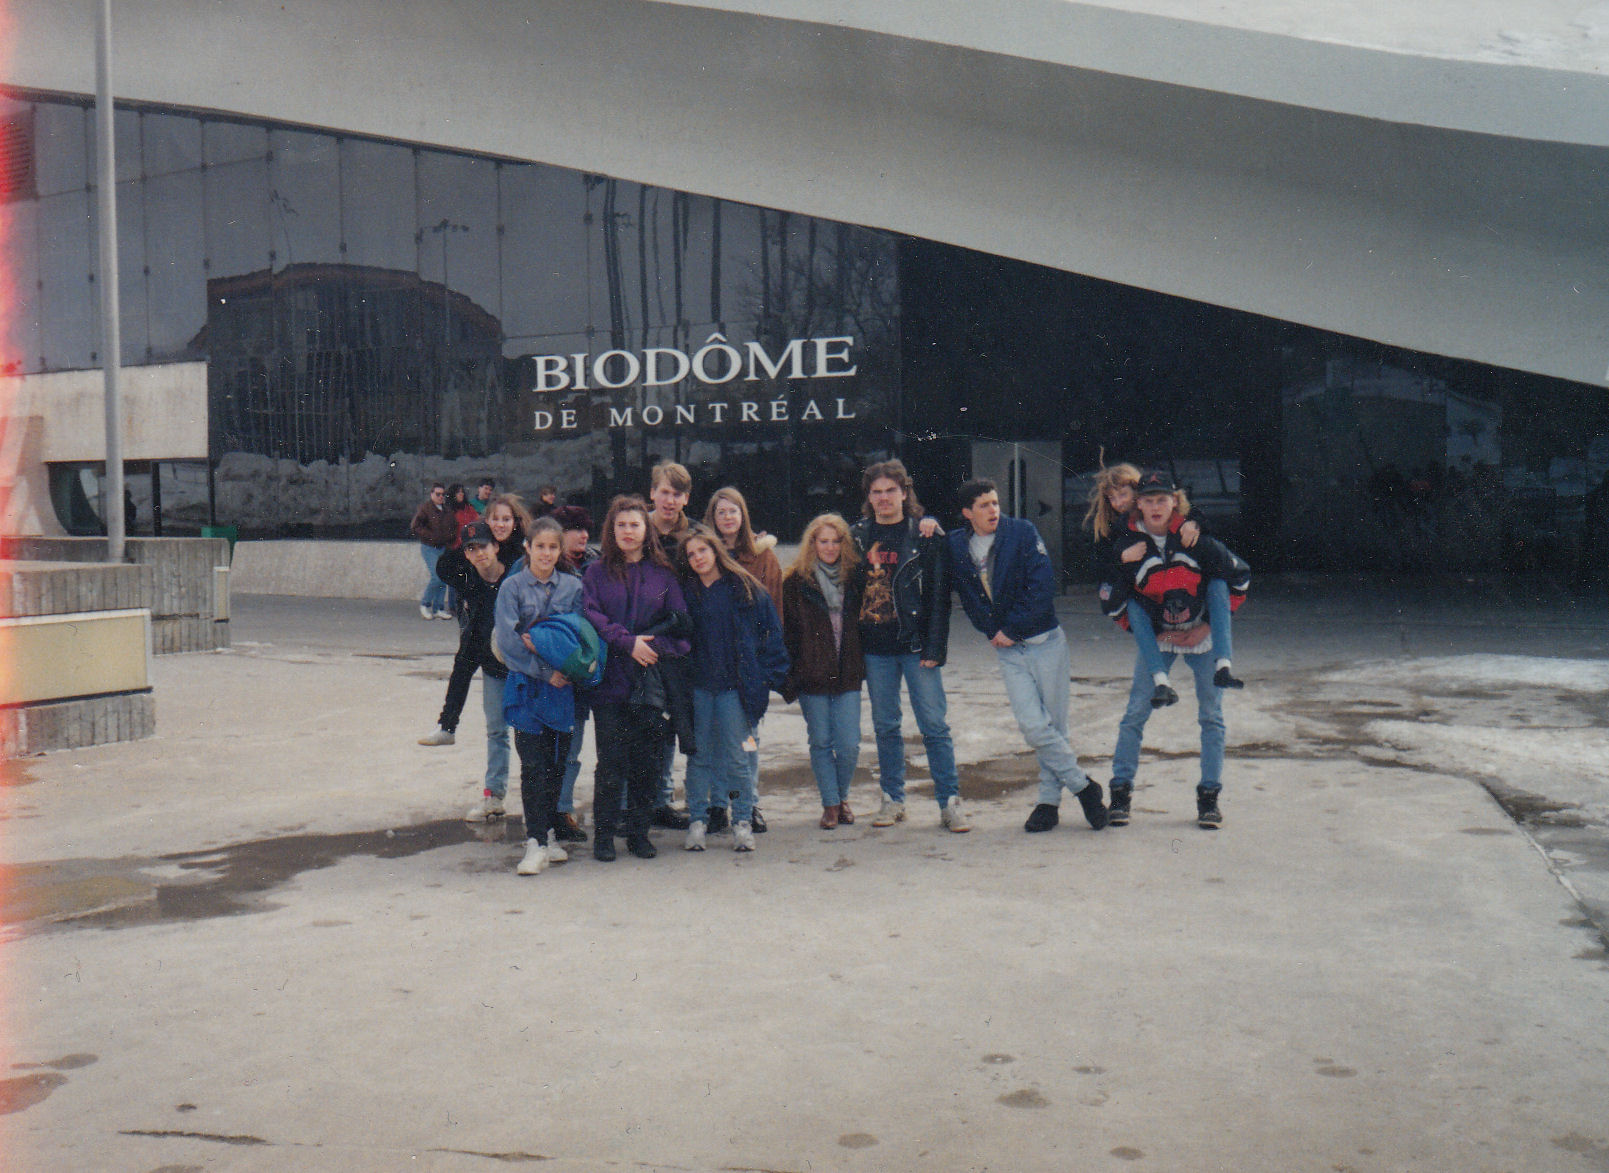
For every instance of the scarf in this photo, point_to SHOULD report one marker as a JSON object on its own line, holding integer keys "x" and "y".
{"x": 830, "y": 580}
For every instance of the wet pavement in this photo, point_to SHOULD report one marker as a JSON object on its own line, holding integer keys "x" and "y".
{"x": 265, "y": 939}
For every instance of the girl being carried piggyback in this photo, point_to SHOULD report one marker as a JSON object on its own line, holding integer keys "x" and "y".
{"x": 1120, "y": 544}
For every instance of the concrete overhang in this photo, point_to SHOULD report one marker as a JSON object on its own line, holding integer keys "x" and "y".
{"x": 1430, "y": 175}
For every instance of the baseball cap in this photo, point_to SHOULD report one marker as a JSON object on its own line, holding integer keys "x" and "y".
{"x": 476, "y": 533}
{"x": 1154, "y": 480}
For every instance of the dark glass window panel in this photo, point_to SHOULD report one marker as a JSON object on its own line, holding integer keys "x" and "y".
{"x": 458, "y": 222}
{"x": 125, "y": 142}
{"x": 19, "y": 239}
{"x": 175, "y": 246}
{"x": 172, "y": 143}
{"x": 236, "y": 218}
{"x": 741, "y": 267}
{"x": 304, "y": 199}
{"x": 133, "y": 334}
{"x": 545, "y": 263}
{"x": 61, "y": 149}
{"x": 378, "y": 205}
{"x": 69, "y": 305}
{"x": 232, "y": 142}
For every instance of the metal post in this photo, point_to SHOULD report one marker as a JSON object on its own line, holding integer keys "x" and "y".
{"x": 111, "y": 343}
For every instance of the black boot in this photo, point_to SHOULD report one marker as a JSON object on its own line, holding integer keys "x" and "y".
{"x": 671, "y": 819}
{"x": 568, "y": 829}
{"x": 1094, "y": 809}
{"x": 1042, "y": 818}
{"x": 1208, "y": 816}
{"x": 1162, "y": 696}
{"x": 641, "y": 846}
{"x": 1222, "y": 679}
{"x": 1117, "y": 812}
{"x": 717, "y": 821}
{"x": 603, "y": 847}
{"x": 757, "y": 822}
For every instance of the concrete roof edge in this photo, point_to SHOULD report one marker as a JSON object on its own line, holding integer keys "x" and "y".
{"x": 1480, "y": 89}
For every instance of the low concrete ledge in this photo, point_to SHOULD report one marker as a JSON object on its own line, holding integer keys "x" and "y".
{"x": 186, "y": 583}
{"x": 329, "y": 569}
{"x": 73, "y": 724}
{"x": 60, "y": 588}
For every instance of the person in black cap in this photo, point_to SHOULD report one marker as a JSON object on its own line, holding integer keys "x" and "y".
{"x": 1171, "y": 585}
{"x": 475, "y": 570}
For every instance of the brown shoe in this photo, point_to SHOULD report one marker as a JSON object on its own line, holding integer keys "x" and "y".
{"x": 845, "y": 815}
{"x": 829, "y": 818}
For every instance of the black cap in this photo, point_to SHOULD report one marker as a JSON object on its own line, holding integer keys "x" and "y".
{"x": 1154, "y": 480}
{"x": 476, "y": 533}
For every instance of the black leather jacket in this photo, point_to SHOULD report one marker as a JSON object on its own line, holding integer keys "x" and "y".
{"x": 921, "y": 589}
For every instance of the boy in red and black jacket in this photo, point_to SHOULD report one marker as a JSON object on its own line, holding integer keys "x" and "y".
{"x": 1170, "y": 583}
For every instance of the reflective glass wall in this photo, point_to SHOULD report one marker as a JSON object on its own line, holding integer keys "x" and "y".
{"x": 376, "y": 315}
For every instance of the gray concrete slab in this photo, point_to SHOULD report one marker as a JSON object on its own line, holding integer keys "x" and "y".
{"x": 263, "y": 940}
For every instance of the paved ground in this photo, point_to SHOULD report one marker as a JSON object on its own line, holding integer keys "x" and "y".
{"x": 264, "y": 941}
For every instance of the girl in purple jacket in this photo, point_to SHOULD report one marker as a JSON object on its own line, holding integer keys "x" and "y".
{"x": 627, "y": 594}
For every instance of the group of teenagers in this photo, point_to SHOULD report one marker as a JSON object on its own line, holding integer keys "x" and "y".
{"x": 669, "y": 632}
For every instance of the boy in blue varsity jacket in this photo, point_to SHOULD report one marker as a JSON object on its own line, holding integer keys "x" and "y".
{"x": 1007, "y": 585}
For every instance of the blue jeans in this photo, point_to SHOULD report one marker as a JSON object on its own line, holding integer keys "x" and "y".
{"x": 665, "y": 792}
{"x": 1217, "y": 618}
{"x": 720, "y": 727}
{"x": 1209, "y": 711}
{"x": 491, "y": 696}
{"x": 720, "y": 800}
{"x": 832, "y": 722}
{"x": 572, "y": 767}
{"x": 435, "y": 596}
{"x": 926, "y": 687}
{"x": 1036, "y": 680}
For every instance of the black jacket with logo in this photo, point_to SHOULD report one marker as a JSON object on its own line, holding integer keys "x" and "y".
{"x": 921, "y": 589}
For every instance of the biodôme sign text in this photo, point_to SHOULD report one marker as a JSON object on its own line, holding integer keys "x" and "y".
{"x": 715, "y": 364}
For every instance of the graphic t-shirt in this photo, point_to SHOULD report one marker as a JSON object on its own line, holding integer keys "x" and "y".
{"x": 879, "y": 622}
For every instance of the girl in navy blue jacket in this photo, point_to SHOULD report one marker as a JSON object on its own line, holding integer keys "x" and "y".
{"x": 738, "y": 658}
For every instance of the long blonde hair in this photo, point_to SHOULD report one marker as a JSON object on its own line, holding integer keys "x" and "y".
{"x": 804, "y": 563}
{"x": 1102, "y": 519}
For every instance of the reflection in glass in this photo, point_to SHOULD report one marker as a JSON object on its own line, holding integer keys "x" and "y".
{"x": 172, "y": 142}
{"x": 304, "y": 204}
{"x": 458, "y": 226}
{"x": 68, "y": 313}
{"x": 175, "y": 247}
{"x": 377, "y": 205}
{"x": 237, "y": 224}
{"x": 19, "y": 240}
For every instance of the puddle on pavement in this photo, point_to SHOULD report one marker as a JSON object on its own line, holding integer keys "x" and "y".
{"x": 227, "y": 881}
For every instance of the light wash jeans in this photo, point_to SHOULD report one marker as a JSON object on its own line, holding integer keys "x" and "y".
{"x": 926, "y": 687}
{"x": 722, "y": 800}
{"x": 572, "y": 768}
{"x": 1209, "y": 711}
{"x": 832, "y": 722}
{"x": 720, "y": 727}
{"x": 491, "y": 696}
{"x": 435, "y": 595}
{"x": 1217, "y": 618}
{"x": 1036, "y": 680}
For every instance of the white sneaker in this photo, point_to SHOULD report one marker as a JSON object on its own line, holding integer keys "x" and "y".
{"x": 442, "y": 615}
{"x": 536, "y": 858}
{"x": 743, "y": 837}
{"x": 425, "y": 612}
{"x": 439, "y": 737}
{"x": 557, "y": 854}
{"x": 695, "y": 838}
{"x": 891, "y": 813}
{"x": 953, "y": 818}
{"x": 488, "y": 810}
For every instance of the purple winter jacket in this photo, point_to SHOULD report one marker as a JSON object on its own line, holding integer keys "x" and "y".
{"x": 653, "y": 593}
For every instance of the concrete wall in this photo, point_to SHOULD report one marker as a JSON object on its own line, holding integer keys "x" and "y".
{"x": 329, "y": 569}
{"x": 1426, "y": 175}
{"x": 189, "y": 601}
{"x": 75, "y": 645}
{"x": 164, "y": 412}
